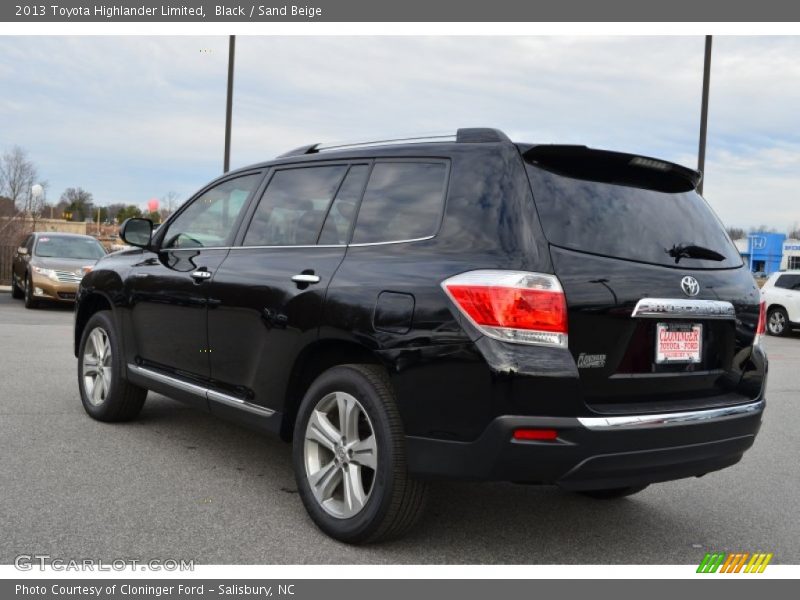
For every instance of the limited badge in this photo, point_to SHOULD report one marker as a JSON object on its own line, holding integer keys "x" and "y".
{"x": 591, "y": 361}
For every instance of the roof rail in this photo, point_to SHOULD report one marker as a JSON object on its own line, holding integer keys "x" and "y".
{"x": 466, "y": 136}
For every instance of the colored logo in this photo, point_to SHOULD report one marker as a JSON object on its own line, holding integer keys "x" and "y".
{"x": 759, "y": 242}
{"x": 738, "y": 562}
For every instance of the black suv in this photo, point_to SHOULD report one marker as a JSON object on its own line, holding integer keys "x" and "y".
{"x": 459, "y": 306}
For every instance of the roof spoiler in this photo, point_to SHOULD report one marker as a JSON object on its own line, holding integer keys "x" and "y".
{"x": 605, "y": 166}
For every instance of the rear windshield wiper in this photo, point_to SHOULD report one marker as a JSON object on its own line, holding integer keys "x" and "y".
{"x": 679, "y": 251}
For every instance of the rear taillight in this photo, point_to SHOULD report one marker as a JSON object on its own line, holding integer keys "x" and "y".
{"x": 513, "y": 306}
{"x": 761, "y": 328}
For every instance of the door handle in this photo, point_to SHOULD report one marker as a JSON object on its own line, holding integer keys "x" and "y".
{"x": 305, "y": 278}
{"x": 201, "y": 275}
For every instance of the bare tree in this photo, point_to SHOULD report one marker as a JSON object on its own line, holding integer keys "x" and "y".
{"x": 17, "y": 175}
{"x": 736, "y": 233}
{"x": 169, "y": 202}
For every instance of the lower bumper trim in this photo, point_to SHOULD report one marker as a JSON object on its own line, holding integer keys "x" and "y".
{"x": 669, "y": 419}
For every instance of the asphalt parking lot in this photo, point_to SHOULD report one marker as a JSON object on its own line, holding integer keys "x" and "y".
{"x": 180, "y": 484}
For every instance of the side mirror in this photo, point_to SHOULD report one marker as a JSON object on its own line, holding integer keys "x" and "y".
{"x": 22, "y": 251}
{"x": 136, "y": 232}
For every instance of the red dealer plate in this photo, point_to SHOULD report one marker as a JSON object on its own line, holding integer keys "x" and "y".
{"x": 679, "y": 342}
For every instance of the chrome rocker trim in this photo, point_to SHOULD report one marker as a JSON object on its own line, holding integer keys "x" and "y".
{"x": 679, "y": 308}
{"x": 669, "y": 419}
{"x": 201, "y": 391}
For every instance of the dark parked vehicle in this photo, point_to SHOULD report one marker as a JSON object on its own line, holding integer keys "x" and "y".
{"x": 461, "y": 307}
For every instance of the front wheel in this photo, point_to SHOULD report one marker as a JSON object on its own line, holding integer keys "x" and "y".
{"x": 777, "y": 322}
{"x": 612, "y": 493}
{"x": 30, "y": 301}
{"x": 105, "y": 392}
{"x": 16, "y": 292}
{"x": 349, "y": 457}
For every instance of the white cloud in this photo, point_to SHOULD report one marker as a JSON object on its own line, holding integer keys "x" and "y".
{"x": 133, "y": 117}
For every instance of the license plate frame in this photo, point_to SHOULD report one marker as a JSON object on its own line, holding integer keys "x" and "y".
{"x": 687, "y": 349}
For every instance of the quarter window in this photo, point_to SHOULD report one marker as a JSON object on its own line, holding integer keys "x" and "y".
{"x": 294, "y": 206}
{"x": 211, "y": 217}
{"x": 789, "y": 282}
{"x": 403, "y": 201}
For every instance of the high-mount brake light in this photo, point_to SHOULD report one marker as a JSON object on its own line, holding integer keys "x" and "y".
{"x": 513, "y": 306}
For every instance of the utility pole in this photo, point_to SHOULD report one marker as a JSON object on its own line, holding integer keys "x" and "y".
{"x": 229, "y": 108}
{"x": 701, "y": 154}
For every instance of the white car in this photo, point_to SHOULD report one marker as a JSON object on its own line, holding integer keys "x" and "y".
{"x": 781, "y": 292}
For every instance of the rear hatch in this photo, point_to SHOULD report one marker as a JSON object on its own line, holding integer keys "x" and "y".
{"x": 662, "y": 312}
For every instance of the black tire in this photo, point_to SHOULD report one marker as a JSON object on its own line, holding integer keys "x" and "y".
{"x": 16, "y": 292}
{"x": 395, "y": 501}
{"x": 778, "y": 322}
{"x": 613, "y": 493}
{"x": 30, "y": 301}
{"x": 121, "y": 400}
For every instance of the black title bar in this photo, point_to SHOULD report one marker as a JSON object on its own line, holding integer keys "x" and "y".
{"x": 255, "y": 11}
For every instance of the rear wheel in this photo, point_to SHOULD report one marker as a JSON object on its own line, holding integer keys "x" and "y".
{"x": 349, "y": 457}
{"x": 30, "y": 301}
{"x": 777, "y": 322}
{"x": 16, "y": 292}
{"x": 612, "y": 493}
{"x": 105, "y": 393}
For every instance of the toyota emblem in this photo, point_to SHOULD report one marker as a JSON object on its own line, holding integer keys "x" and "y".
{"x": 690, "y": 286}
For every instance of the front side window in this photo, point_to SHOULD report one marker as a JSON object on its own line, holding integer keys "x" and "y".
{"x": 294, "y": 206}
{"x": 403, "y": 201}
{"x": 210, "y": 219}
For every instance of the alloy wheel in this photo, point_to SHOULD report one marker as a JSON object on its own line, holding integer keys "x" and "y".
{"x": 97, "y": 366}
{"x": 340, "y": 454}
{"x": 777, "y": 322}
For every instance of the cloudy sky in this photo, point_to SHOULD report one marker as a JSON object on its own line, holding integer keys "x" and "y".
{"x": 131, "y": 118}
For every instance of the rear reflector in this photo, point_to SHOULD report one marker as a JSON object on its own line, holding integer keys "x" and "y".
{"x": 761, "y": 328}
{"x": 535, "y": 434}
{"x": 513, "y": 306}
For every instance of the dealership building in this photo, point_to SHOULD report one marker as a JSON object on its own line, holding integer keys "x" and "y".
{"x": 769, "y": 252}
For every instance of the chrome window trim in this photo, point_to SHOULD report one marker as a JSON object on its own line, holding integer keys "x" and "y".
{"x": 199, "y": 390}
{"x": 669, "y": 419}
{"x": 680, "y": 308}
{"x": 359, "y": 245}
{"x": 419, "y": 239}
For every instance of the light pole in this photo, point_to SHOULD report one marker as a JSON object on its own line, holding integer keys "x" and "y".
{"x": 701, "y": 153}
{"x": 229, "y": 107}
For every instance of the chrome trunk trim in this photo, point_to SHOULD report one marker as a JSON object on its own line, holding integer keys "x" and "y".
{"x": 679, "y": 308}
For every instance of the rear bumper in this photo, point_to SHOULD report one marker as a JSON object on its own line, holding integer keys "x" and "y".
{"x": 598, "y": 452}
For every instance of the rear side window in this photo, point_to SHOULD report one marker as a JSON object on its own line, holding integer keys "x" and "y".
{"x": 629, "y": 222}
{"x": 294, "y": 206}
{"x": 403, "y": 201}
{"x": 789, "y": 282}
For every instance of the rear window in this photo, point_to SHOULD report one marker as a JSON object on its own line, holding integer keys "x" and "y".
{"x": 628, "y": 222}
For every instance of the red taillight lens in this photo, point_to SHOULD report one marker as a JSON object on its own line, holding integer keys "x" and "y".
{"x": 513, "y": 306}
{"x": 761, "y": 328}
{"x": 535, "y": 434}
